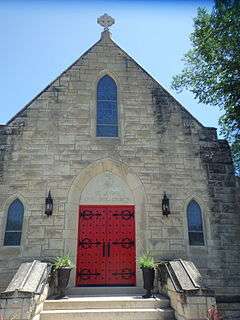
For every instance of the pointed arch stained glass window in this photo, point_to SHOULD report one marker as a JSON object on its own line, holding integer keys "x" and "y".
{"x": 13, "y": 231}
{"x": 195, "y": 224}
{"x": 107, "y": 113}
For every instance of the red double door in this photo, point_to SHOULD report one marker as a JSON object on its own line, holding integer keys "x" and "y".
{"x": 106, "y": 246}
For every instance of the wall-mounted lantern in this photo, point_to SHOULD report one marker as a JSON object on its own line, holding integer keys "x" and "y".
{"x": 165, "y": 205}
{"x": 49, "y": 204}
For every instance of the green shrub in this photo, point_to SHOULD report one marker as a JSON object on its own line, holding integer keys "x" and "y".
{"x": 62, "y": 262}
{"x": 146, "y": 261}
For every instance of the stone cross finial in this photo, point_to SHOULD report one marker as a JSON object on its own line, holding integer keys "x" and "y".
{"x": 105, "y": 21}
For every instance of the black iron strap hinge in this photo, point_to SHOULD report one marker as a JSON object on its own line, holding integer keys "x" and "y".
{"x": 89, "y": 214}
{"x": 125, "y": 243}
{"x": 87, "y": 243}
{"x": 125, "y": 214}
{"x": 86, "y": 274}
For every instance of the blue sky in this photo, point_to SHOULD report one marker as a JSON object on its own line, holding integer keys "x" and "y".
{"x": 41, "y": 38}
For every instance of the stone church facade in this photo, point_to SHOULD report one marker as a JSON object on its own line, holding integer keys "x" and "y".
{"x": 146, "y": 145}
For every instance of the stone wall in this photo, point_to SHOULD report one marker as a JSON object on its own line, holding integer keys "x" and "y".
{"x": 26, "y": 293}
{"x": 189, "y": 306}
{"x": 3, "y": 146}
{"x": 23, "y": 307}
{"x": 229, "y": 310}
{"x": 161, "y": 147}
{"x": 225, "y": 218}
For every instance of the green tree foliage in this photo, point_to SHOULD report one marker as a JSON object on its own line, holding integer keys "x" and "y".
{"x": 212, "y": 67}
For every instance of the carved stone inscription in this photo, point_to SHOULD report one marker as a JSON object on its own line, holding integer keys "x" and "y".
{"x": 107, "y": 188}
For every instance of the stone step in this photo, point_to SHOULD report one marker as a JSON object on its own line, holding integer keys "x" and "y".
{"x": 104, "y": 291}
{"x": 108, "y": 314}
{"x": 120, "y": 302}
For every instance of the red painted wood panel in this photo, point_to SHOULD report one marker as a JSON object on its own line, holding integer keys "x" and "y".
{"x": 121, "y": 264}
{"x": 91, "y": 265}
{"x": 106, "y": 245}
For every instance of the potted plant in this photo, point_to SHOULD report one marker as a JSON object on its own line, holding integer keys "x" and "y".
{"x": 62, "y": 267}
{"x": 147, "y": 264}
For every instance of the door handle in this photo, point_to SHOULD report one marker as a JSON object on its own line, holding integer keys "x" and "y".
{"x": 108, "y": 249}
{"x": 103, "y": 249}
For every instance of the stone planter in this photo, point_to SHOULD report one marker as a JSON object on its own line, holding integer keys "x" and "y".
{"x": 63, "y": 276}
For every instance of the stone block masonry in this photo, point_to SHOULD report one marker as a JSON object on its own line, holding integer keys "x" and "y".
{"x": 52, "y": 145}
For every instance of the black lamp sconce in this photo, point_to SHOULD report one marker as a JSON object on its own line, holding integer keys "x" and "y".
{"x": 165, "y": 205}
{"x": 49, "y": 204}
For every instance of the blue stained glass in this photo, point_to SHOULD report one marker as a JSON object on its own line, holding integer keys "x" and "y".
{"x": 12, "y": 238}
{"x": 107, "y": 112}
{"x": 195, "y": 225}
{"x": 196, "y": 238}
{"x": 107, "y": 115}
{"x": 107, "y": 131}
{"x": 106, "y": 89}
{"x": 14, "y": 224}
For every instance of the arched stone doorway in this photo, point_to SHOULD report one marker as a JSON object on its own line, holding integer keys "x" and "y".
{"x": 105, "y": 182}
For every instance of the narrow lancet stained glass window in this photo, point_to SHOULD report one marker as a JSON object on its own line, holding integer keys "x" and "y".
{"x": 13, "y": 231}
{"x": 107, "y": 113}
{"x": 195, "y": 224}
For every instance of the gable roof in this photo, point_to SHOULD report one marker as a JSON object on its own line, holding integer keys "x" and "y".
{"x": 105, "y": 34}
